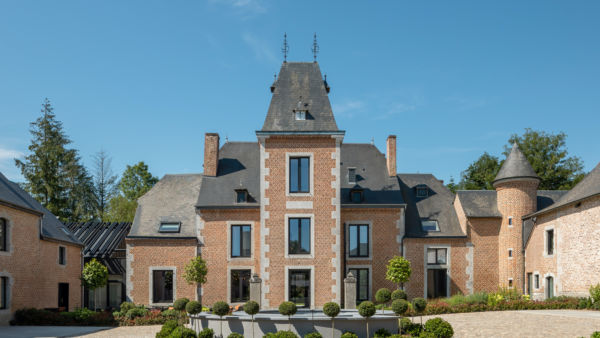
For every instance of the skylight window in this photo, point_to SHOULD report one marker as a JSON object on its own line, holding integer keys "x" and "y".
{"x": 169, "y": 227}
{"x": 300, "y": 115}
{"x": 430, "y": 225}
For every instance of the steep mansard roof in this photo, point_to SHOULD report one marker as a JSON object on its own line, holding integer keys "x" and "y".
{"x": 437, "y": 206}
{"x": 299, "y": 86}
{"x": 484, "y": 204}
{"x": 13, "y": 195}
{"x": 515, "y": 166}
{"x": 172, "y": 199}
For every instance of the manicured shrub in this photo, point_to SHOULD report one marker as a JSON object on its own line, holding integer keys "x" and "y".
{"x": 206, "y": 333}
{"x": 400, "y": 306}
{"x": 220, "y": 309}
{"x": 349, "y": 334}
{"x": 235, "y": 335}
{"x": 419, "y": 305}
{"x": 285, "y": 334}
{"x": 367, "y": 309}
{"x": 182, "y": 332}
{"x": 439, "y": 328}
{"x": 399, "y": 294}
{"x": 193, "y": 307}
{"x": 180, "y": 304}
{"x": 595, "y": 334}
{"x": 136, "y": 312}
{"x": 595, "y": 293}
{"x": 167, "y": 328}
{"x": 408, "y": 327}
{"x": 126, "y": 306}
{"x": 171, "y": 313}
{"x": 382, "y": 333}
{"x": 251, "y": 307}
{"x": 331, "y": 309}
{"x": 383, "y": 296}
{"x": 313, "y": 335}
{"x": 288, "y": 309}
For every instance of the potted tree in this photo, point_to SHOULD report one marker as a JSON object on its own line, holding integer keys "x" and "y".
{"x": 383, "y": 296}
{"x": 400, "y": 306}
{"x": 195, "y": 273}
{"x": 94, "y": 276}
{"x": 331, "y": 309}
{"x": 251, "y": 307}
{"x": 419, "y": 305}
{"x": 398, "y": 271}
{"x": 367, "y": 309}
{"x": 220, "y": 309}
{"x": 288, "y": 309}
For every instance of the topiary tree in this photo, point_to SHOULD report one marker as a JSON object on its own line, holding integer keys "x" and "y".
{"x": 439, "y": 328}
{"x": 383, "y": 296}
{"x": 398, "y": 270}
{"x": 400, "y": 306}
{"x": 419, "y": 305}
{"x": 195, "y": 272}
{"x": 348, "y": 334}
{"x": 399, "y": 294}
{"x": 220, "y": 309}
{"x": 288, "y": 309}
{"x": 193, "y": 307}
{"x": 180, "y": 304}
{"x": 235, "y": 335}
{"x": 251, "y": 307}
{"x": 367, "y": 309}
{"x": 331, "y": 309}
{"x": 94, "y": 276}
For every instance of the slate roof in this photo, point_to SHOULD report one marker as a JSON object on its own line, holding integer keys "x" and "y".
{"x": 484, "y": 203}
{"x": 516, "y": 165}
{"x": 238, "y": 168}
{"x": 436, "y": 206}
{"x": 52, "y": 228}
{"x": 100, "y": 238}
{"x": 371, "y": 176}
{"x": 172, "y": 199}
{"x": 299, "y": 86}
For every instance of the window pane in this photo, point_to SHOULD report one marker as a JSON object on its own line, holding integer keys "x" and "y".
{"x": 441, "y": 256}
{"x": 162, "y": 286}
{"x": 114, "y": 295}
{"x": 3, "y": 292}
{"x": 235, "y": 241}
{"x": 241, "y": 196}
{"x": 2, "y": 235}
{"x": 304, "y": 174}
{"x": 294, "y": 236}
{"x": 351, "y": 175}
{"x": 299, "y": 292}
{"x": 246, "y": 240}
{"x": 169, "y": 227}
{"x": 294, "y": 175}
{"x": 305, "y": 238}
{"x": 240, "y": 286}
{"x": 364, "y": 240}
{"x": 353, "y": 241}
{"x": 431, "y": 256}
{"x": 363, "y": 286}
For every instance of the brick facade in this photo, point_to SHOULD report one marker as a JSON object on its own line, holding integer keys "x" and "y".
{"x": 32, "y": 267}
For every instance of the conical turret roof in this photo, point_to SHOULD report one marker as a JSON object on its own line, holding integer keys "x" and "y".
{"x": 516, "y": 166}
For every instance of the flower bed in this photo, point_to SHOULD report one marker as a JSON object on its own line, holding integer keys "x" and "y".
{"x": 79, "y": 317}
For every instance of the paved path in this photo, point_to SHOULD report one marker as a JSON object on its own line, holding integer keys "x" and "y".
{"x": 532, "y": 323}
{"x": 127, "y": 331}
{"x": 47, "y": 331}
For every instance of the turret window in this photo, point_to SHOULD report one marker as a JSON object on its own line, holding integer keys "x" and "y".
{"x": 351, "y": 175}
{"x": 241, "y": 196}
{"x": 300, "y": 115}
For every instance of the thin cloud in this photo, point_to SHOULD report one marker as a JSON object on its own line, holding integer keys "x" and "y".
{"x": 261, "y": 49}
{"x": 348, "y": 108}
{"x": 243, "y": 7}
{"x": 7, "y": 163}
{"x": 396, "y": 109}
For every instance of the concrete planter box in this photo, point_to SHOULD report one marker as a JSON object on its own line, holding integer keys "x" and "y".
{"x": 302, "y": 323}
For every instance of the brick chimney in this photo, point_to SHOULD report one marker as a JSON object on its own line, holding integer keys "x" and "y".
{"x": 391, "y": 155}
{"x": 211, "y": 154}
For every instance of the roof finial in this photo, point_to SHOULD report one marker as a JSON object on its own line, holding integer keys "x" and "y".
{"x": 315, "y": 47}
{"x": 285, "y": 49}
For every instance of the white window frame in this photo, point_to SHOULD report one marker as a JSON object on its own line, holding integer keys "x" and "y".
{"x": 366, "y": 266}
{"x": 348, "y": 175}
{"x": 510, "y": 221}
{"x": 312, "y": 236}
{"x": 300, "y": 113}
{"x": 151, "y": 284}
{"x": 511, "y": 253}
{"x": 311, "y": 174}
{"x": 58, "y": 258}
{"x": 312, "y": 281}
{"x": 229, "y": 225}
{"x": 234, "y": 267}
{"x": 538, "y": 287}
{"x": 446, "y": 266}
{"x": 370, "y": 256}
{"x": 554, "y": 241}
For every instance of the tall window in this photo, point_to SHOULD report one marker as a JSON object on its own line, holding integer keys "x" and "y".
{"x": 549, "y": 287}
{"x": 162, "y": 286}
{"x": 550, "y": 242}
{"x": 362, "y": 284}
{"x": 299, "y": 236}
{"x": 240, "y": 286}
{"x": 299, "y": 287}
{"x": 62, "y": 255}
{"x": 3, "y": 292}
{"x": 436, "y": 256}
{"x": 537, "y": 281}
{"x": 299, "y": 174}
{"x": 3, "y": 235}
{"x": 358, "y": 240}
{"x": 351, "y": 175}
{"x": 241, "y": 240}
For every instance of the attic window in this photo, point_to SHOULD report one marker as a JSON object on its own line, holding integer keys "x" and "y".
{"x": 300, "y": 115}
{"x": 422, "y": 191}
{"x": 430, "y": 225}
{"x": 169, "y": 227}
{"x": 241, "y": 196}
{"x": 356, "y": 195}
{"x": 351, "y": 175}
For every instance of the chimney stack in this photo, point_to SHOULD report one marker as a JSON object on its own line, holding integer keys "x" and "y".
{"x": 391, "y": 155}
{"x": 211, "y": 154}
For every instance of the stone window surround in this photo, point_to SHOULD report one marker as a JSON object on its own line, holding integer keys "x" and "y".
{"x": 151, "y": 269}
{"x": 538, "y": 287}
{"x": 7, "y": 310}
{"x": 235, "y": 267}
{"x": 312, "y": 281}
{"x": 436, "y": 266}
{"x": 545, "y": 252}
{"x": 509, "y": 283}
{"x": 58, "y": 257}
{"x": 311, "y": 174}
{"x": 554, "y": 282}
{"x": 510, "y": 221}
{"x": 370, "y": 268}
{"x": 348, "y": 175}
{"x": 511, "y": 253}
{"x": 229, "y": 224}
{"x": 8, "y": 221}
{"x": 312, "y": 236}
{"x": 347, "y": 231}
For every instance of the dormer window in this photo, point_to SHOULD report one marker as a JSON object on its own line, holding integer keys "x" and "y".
{"x": 300, "y": 115}
{"x": 429, "y": 225}
{"x": 351, "y": 175}
{"x": 169, "y": 227}
{"x": 356, "y": 195}
{"x": 422, "y": 191}
{"x": 241, "y": 196}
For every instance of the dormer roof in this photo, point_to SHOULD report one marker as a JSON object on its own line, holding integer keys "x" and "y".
{"x": 516, "y": 166}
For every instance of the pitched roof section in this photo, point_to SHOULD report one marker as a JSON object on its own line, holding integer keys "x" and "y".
{"x": 484, "y": 203}
{"x": 437, "y": 206}
{"x": 52, "y": 228}
{"x": 171, "y": 200}
{"x": 238, "y": 168}
{"x": 299, "y": 86}
{"x": 515, "y": 166}
{"x": 100, "y": 238}
{"x": 378, "y": 187}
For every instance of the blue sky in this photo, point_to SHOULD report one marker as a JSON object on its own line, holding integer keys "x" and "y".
{"x": 144, "y": 80}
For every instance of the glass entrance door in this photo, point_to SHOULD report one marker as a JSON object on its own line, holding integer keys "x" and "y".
{"x": 299, "y": 284}
{"x": 436, "y": 283}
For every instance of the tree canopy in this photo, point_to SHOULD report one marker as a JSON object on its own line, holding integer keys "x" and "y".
{"x": 135, "y": 182}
